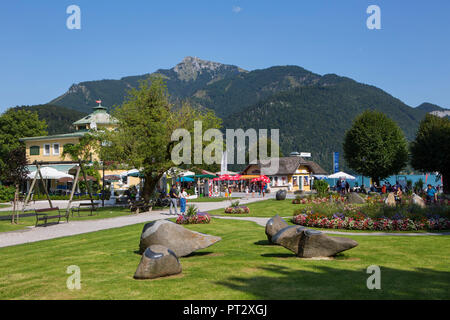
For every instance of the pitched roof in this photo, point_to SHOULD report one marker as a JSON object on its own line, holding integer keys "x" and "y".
{"x": 288, "y": 165}
{"x": 99, "y": 116}
{"x": 56, "y": 136}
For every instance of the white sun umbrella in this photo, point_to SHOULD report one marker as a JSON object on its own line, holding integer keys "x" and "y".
{"x": 49, "y": 173}
{"x": 341, "y": 175}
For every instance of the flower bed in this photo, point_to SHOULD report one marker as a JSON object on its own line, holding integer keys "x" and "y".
{"x": 237, "y": 210}
{"x": 201, "y": 217}
{"x": 317, "y": 200}
{"x": 361, "y": 222}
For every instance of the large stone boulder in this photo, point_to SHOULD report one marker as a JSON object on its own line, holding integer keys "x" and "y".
{"x": 274, "y": 225}
{"x": 281, "y": 195}
{"x": 306, "y": 243}
{"x": 418, "y": 201}
{"x": 157, "y": 261}
{"x": 314, "y": 243}
{"x": 355, "y": 198}
{"x": 289, "y": 237}
{"x": 175, "y": 237}
{"x": 390, "y": 200}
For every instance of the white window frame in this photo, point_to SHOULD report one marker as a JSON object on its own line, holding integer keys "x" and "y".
{"x": 45, "y": 149}
{"x": 53, "y": 149}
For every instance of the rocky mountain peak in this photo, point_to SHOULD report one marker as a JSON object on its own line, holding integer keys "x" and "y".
{"x": 191, "y": 67}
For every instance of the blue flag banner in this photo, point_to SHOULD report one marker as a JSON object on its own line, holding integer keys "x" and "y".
{"x": 336, "y": 162}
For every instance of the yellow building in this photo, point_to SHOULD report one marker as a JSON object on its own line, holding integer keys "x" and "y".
{"x": 294, "y": 173}
{"x": 50, "y": 148}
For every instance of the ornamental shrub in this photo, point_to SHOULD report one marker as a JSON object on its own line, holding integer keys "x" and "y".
{"x": 6, "y": 193}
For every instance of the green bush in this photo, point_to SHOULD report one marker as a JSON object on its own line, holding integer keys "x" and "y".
{"x": 321, "y": 186}
{"x": 6, "y": 193}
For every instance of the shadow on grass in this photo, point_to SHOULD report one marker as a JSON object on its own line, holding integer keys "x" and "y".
{"x": 279, "y": 255}
{"x": 264, "y": 243}
{"x": 198, "y": 254}
{"x": 324, "y": 282}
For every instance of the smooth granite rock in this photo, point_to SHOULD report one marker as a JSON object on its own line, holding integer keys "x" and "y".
{"x": 175, "y": 237}
{"x": 157, "y": 261}
{"x": 390, "y": 200}
{"x": 418, "y": 201}
{"x": 289, "y": 237}
{"x": 274, "y": 225}
{"x": 355, "y": 198}
{"x": 314, "y": 243}
{"x": 281, "y": 195}
{"x": 306, "y": 243}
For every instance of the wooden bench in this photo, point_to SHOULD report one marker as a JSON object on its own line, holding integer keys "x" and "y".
{"x": 50, "y": 213}
{"x": 87, "y": 206}
{"x": 139, "y": 206}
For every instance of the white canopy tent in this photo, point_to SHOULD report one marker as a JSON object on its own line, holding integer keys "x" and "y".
{"x": 341, "y": 175}
{"x": 50, "y": 173}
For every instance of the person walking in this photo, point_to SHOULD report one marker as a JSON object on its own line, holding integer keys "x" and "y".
{"x": 431, "y": 194}
{"x": 173, "y": 199}
{"x": 183, "y": 200}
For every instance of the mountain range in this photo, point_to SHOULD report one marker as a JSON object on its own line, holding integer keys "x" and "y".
{"x": 312, "y": 111}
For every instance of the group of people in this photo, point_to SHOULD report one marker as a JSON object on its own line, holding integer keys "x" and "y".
{"x": 174, "y": 195}
{"x": 256, "y": 187}
{"x": 342, "y": 187}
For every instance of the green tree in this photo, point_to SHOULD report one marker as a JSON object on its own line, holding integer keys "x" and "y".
{"x": 375, "y": 146}
{"x": 16, "y": 124}
{"x": 15, "y": 174}
{"x": 430, "y": 151}
{"x": 146, "y": 123}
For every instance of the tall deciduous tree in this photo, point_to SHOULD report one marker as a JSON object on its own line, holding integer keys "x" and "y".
{"x": 15, "y": 173}
{"x": 146, "y": 123}
{"x": 375, "y": 146}
{"x": 431, "y": 149}
{"x": 15, "y": 124}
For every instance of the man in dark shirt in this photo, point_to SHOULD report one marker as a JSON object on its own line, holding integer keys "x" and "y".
{"x": 173, "y": 199}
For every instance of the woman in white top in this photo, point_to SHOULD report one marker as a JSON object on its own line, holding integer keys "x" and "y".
{"x": 183, "y": 196}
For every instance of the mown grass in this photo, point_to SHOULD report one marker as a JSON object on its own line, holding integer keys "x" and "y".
{"x": 241, "y": 266}
{"x": 266, "y": 208}
{"x": 102, "y": 213}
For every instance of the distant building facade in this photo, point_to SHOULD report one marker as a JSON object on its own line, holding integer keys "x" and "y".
{"x": 294, "y": 173}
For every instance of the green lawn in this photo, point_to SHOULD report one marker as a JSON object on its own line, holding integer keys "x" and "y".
{"x": 241, "y": 266}
{"x": 102, "y": 213}
{"x": 4, "y": 205}
{"x": 267, "y": 208}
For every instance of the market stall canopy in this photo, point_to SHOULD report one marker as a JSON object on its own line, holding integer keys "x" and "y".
{"x": 49, "y": 173}
{"x": 261, "y": 178}
{"x": 185, "y": 179}
{"x": 187, "y": 173}
{"x": 202, "y": 176}
{"x": 248, "y": 177}
{"x": 320, "y": 176}
{"x": 341, "y": 175}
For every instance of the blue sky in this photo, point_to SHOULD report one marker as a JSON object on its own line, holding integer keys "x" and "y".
{"x": 40, "y": 58}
